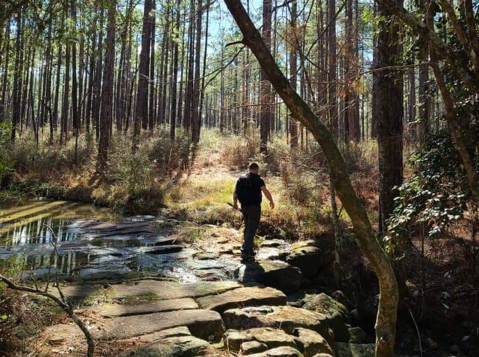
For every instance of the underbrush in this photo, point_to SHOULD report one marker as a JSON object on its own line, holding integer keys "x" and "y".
{"x": 133, "y": 182}
{"x": 196, "y": 182}
{"x": 298, "y": 180}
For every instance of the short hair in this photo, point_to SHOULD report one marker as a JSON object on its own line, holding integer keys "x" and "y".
{"x": 253, "y": 166}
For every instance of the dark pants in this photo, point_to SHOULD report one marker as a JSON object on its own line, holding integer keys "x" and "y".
{"x": 251, "y": 215}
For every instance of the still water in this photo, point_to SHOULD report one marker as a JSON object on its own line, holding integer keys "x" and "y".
{"x": 28, "y": 231}
{"x": 46, "y": 238}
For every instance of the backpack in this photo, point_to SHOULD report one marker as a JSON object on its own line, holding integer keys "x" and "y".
{"x": 244, "y": 188}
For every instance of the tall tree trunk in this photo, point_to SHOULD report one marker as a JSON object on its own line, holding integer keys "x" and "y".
{"x": 424, "y": 101}
{"x": 98, "y": 78}
{"x": 151, "y": 111}
{"x": 17, "y": 77}
{"x": 389, "y": 114}
{"x": 75, "y": 113}
{"x": 375, "y": 89}
{"x": 332, "y": 76}
{"x": 141, "y": 113}
{"x": 6, "y": 51}
{"x": 190, "y": 71}
{"x": 205, "y": 58}
{"x": 107, "y": 90}
{"x": 91, "y": 84}
{"x": 66, "y": 94}
{"x": 412, "y": 102}
{"x": 265, "y": 90}
{"x": 174, "y": 84}
{"x": 293, "y": 69}
{"x": 195, "y": 120}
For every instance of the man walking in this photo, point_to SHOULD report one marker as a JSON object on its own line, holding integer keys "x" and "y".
{"x": 248, "y": 191}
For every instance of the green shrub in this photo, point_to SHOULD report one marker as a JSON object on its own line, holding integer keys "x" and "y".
{"x": 435, "y": 196}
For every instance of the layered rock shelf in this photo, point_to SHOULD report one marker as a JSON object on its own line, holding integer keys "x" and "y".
{"x": 200, "y": 299}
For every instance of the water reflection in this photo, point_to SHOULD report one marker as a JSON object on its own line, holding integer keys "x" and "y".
{"x": 94, "y": 243}
{"x": 28, "y": 231}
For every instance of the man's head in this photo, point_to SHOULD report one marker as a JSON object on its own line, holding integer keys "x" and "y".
{"x": 253, "y": 168}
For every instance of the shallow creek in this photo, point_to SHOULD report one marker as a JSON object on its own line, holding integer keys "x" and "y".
{"x": 79, "y": 241}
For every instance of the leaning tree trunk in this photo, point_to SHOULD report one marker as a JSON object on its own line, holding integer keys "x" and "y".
{"x": 388, "y": 300}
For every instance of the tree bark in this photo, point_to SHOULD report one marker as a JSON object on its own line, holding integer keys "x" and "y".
{"x": 332, "y": 77}
{"x": 195, "y": 118}
{"x": 265, "y": 90}
{"x": 141, "y": 113}
{"x": 389, "y": 114}
{"x": 293, "y": 69}
{"x": 107, "y": 90}
{"x": 174, "y": 85}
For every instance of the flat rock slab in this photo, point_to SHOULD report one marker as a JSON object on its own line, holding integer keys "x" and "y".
{"x": 118, "y": 310}
{"x": 204, "y": 324}
{"x": 279, "y": 352}
{"x": 164, "y": 290}
{"x": 307, "y": 259}
{"x": 249, "y": 296}
{"x": 286, "y": 318}
{"x": 272, "y": 337}
{"x": 273, "y": 273}
{"x": 178, "y": 346}
{"x": 268, "y": 336}
{"x": 251, "y": 347}
{"x": 155, "y": 336}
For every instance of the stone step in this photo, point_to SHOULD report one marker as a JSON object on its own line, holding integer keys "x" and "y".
{"x": 249, "y": 296}
{"x": 178, "y": 346}
{"x": 118, "y": 310}
{"x": 164, "y": 290}
{"x": 204, "y": 324}
{"x": 273, "y": 273}
{"x": 286, "y": 318}
{"x": 308, "y": 342}
{"x": 284, "y": 351}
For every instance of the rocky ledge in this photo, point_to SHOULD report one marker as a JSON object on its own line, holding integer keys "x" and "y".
{"x": 227, "y": 308}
